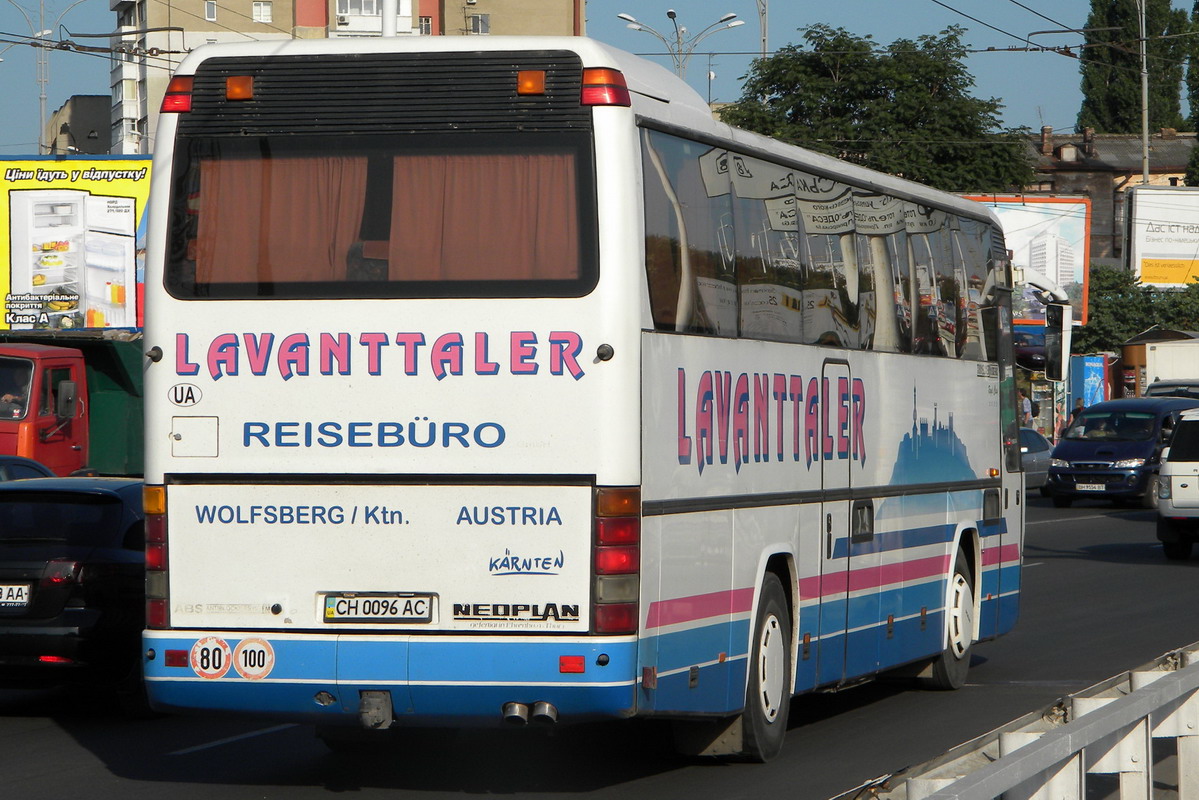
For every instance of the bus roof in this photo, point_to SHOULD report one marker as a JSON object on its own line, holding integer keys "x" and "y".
{"x": 658, "y": 95}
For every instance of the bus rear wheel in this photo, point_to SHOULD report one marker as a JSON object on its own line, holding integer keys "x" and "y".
{"x": 768, "y": 695}
{"x": 950, "y": 669}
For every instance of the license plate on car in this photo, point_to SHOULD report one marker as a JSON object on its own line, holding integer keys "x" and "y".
{"x": 1089, "y": 487}
{"x": 14, "y": 595}
{"x": 408, "y": 607}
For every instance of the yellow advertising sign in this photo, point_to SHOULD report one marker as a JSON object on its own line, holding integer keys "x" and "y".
{"x": 1169, "y": 270}
{"x": 72, "y": 241}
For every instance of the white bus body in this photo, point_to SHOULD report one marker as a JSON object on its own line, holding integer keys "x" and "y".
{"x": 471, "y": 403}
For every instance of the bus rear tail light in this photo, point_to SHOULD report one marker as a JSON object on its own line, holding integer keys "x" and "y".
{"x": 605, "y": 87}
{"x": 530, "y": 82}
{"x": 178, "y": 98}
{"x": 616, "y": 560}
{"x": 154, "y": 503}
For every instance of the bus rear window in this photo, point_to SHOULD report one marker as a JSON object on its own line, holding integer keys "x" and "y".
{"x": 390, "y": 216}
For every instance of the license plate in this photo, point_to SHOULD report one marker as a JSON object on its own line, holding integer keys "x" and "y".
{"x": 14, "y": 595}
{"x": 1089, "y": 487}
{"x": 378, "y": 607}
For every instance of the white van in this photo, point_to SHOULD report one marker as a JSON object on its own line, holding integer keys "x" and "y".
{"x": 1178, "y": 489}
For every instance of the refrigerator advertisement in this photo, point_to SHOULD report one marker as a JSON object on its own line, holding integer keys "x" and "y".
{"x": 72, "y": 242}
{"x": 1051, "y": 236}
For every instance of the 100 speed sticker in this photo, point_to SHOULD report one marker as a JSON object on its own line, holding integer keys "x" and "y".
{"x": 212, "y": 657}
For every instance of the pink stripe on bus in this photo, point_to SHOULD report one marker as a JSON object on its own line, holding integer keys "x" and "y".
{"x": 702, "y": 606}
{"x": 1008, "y": 553}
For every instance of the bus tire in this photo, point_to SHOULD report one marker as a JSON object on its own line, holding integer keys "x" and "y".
{"x": 950, "y": 668}
{"x": 768, "y": 694}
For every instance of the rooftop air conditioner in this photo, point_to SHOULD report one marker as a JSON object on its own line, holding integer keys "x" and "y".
{"x": 342, "y": 21}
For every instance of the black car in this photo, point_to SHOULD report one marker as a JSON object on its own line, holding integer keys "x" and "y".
{"x": 17, "y": 468}
{"x": 72, "y": 571}
{"x": 1030, "y": 351}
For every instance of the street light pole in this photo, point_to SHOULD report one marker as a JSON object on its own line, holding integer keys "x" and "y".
{"x": 681, "y": 48}
{"x": 42, "y": 60}
{"x": 1144, "y": 99}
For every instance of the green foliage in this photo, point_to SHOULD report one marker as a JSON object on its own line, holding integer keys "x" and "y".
{"x": 904, "y": 110}
{"x": 1111, "y": 65}
{"x": 1120, "y": 307}
{"x": 1191, "y": 177}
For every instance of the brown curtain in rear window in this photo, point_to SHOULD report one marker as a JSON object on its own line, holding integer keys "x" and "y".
{"x": 278, "y": 220}
{"x": 484, "y": 217}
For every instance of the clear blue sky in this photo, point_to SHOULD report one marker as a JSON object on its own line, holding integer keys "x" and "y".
{"x": 1036, "y": 88}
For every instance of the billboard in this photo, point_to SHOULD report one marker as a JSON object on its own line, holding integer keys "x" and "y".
{"x": 72, "y": 233}
{"x": 1163, "y": 234}
{"x": 1050, "y": 236}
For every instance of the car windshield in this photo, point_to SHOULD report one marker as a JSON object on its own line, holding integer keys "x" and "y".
{"x": 1185, "y": 444}
{"x": 1116, "y": 426}
{"x": 76, "y": 519}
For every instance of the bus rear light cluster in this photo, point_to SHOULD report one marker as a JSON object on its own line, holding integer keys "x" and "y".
{"x": 154, "y": 503}
{"x": 605, "y": 87}
{"x": 616, "y": 559}
{"x": 178, "y": 97}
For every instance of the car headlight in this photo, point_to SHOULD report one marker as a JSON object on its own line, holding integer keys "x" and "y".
{"x": 1059, "y": 462}
{"x": 1129, "y": 463}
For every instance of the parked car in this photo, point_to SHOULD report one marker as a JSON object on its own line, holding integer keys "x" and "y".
{"x": 1034, "y": 455}
{"x": 1113, "y": 449}
{"x": 72, "y": 571}
{"x": 1178, "y": 490}
{"x": 16, "y": 468}
{"x": 1181, "y": 387}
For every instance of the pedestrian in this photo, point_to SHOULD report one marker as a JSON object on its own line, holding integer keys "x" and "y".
{"x": 1025, "y": 408}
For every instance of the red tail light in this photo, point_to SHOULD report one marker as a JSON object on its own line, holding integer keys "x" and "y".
{"x": 61, "y": 572}
{"x": 616, "y": 560}
{"x": 178, "y": 98}
{"x": 605, "y": 87}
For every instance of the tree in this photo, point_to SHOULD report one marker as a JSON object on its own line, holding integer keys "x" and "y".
{"x": 1192, "y": 78}
{"x": 905, "y": 109}
{"x": 1111, "y": 65}
{"x": 1119, "y": 307}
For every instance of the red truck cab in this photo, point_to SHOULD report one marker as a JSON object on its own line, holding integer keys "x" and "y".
{"x": 41, "y": 413}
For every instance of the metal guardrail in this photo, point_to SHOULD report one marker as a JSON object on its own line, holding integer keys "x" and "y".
{"x": 1106, "y": 730}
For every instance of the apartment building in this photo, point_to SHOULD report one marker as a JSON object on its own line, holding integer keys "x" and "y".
{"x": 159, "y": 33}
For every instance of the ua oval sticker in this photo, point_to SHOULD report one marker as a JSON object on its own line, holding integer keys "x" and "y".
{"x": 184, "y": 394}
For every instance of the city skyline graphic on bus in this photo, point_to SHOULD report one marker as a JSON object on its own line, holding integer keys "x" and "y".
{"x": 931, "y": 452}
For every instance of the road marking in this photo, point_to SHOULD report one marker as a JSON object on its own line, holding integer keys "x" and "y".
{"x": 1058, "y": 521}
{"x": 1036, "y": 564}
{"x": 220, "y": 742}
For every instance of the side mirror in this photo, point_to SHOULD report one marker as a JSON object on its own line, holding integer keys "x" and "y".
{"x": 67, "y": 403}
{"x": 1057, "y": 341}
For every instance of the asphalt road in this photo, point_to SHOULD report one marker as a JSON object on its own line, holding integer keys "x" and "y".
{"x": 1099, "y": 598}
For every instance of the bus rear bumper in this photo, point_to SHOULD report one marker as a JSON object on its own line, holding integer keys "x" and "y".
{"x": 428, "y": 680}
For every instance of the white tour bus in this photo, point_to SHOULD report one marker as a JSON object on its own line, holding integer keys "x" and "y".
{"x": 492, "y": 380}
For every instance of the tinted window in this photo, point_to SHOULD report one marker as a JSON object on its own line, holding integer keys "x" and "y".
{"x": 737, "y": 245}
{"x": 77, "y": 520}
{"x": 1185, "y": 444}
{"x": 383, "y": 216}
{"x": 18, "y": 471}
{"x": 1033, "y": 441}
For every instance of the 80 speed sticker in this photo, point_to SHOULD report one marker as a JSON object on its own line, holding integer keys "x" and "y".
{"x": 253, "y": 659}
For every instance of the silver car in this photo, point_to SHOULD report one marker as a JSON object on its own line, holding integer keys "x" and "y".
{"x": 1034, "y": 455}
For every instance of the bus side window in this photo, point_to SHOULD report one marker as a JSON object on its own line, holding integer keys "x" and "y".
{"x": 688, "y": 248}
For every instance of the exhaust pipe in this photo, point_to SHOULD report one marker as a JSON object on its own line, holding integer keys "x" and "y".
{"x": 544, "y": 713}
{"x": 516, "y": 713}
